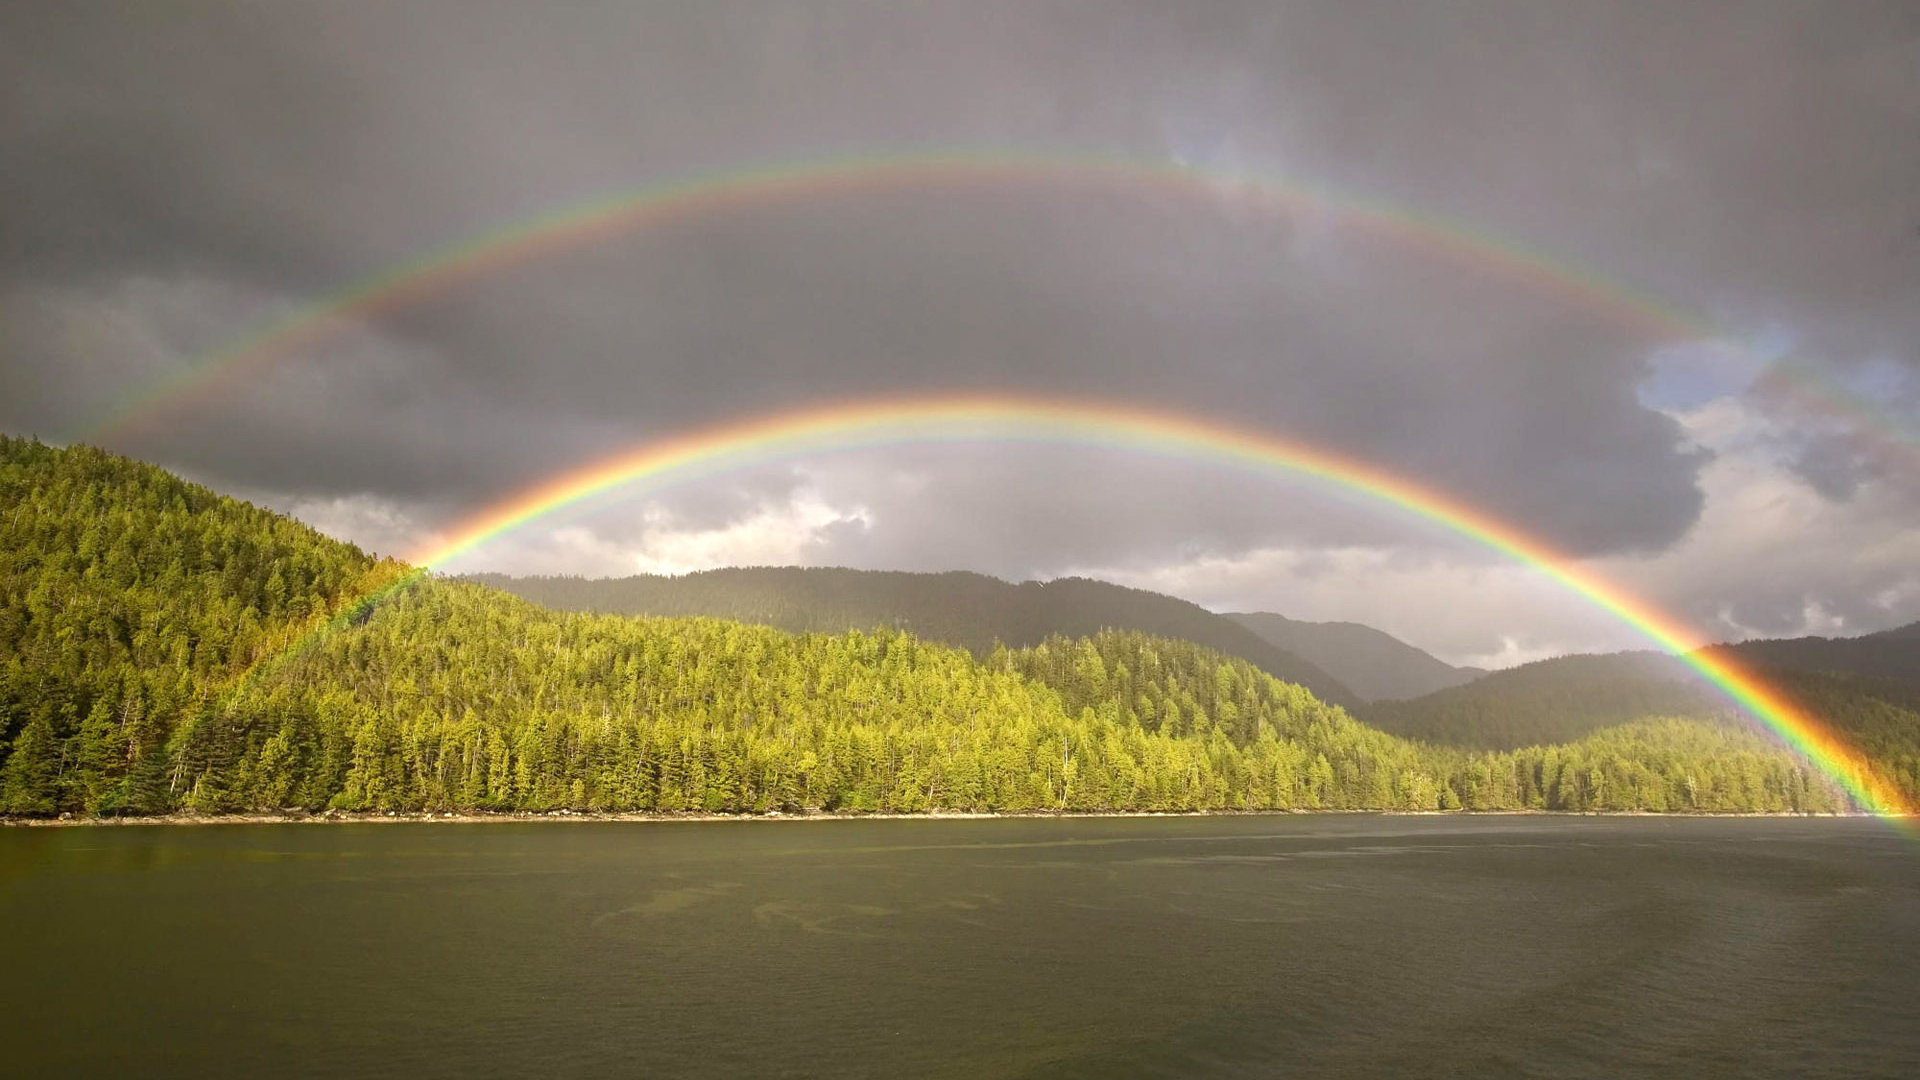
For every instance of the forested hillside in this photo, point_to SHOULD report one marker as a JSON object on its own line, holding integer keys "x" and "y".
{"x": 1880, "y": 717}
{"x": 133, "y": 604}
{"x": 457, "y": 697}
{"x": 127, "y": 598}
{"x": 1890, "y": 654}
{"x": 1549, "y": 701}
{"x": 1571, "y": 697}
{"x": 1654, "y": 763}
{"x": 972, "y": 611}
{"x": 1375, "y": 665}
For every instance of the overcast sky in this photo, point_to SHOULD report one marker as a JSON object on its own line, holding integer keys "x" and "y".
{"x": 172, "y": 176}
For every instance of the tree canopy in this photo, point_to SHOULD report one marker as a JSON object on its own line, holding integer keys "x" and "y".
{"x": 165, "y": 648}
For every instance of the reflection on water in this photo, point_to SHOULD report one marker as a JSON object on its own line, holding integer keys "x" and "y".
{"x": 1313, "y": 946}
{"x": 670, "y": 901}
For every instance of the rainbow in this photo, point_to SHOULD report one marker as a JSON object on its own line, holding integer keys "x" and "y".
{"x": 1874, "y": 426}
{"x": 894, "y": 421}
{"x": 598, "y": 220}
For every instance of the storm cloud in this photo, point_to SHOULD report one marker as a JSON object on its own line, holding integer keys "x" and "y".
{"x": 177, "y": 176}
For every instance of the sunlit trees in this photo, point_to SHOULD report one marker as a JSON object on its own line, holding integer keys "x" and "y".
{"x": 161, "y": 649}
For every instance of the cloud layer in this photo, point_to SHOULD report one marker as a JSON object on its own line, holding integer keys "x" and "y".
{"x": 176, "y": 177}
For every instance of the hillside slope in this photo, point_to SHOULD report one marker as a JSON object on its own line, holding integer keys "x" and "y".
{"x": 1375, "y": 665}
{"x": 1572, "y": 697}
{"x": 126, "y": 597}
{"x": 1550, "y": 701}
{"x": 164, "y": 648}
{"x": 157, "y": 652}
{"x": 1889, "y": 654}
{"x": 970, "y": 610}
{"x": 457, "y": 696}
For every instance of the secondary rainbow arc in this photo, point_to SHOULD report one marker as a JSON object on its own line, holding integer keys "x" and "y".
{"x": 909, "y": 420}
{"x": 583, "y": 223}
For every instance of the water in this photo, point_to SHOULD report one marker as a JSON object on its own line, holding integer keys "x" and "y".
{"x": 1266, "y": 946}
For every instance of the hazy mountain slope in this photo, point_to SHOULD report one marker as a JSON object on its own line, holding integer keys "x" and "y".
{"x": 1658, "y": 763}
{"x": 1889, "y": 654}
{"x": 1550, "y": 701}
{"x": 1569, "y": 697}
{"x": 1375, "y": 665}
{"x": 1880, "y": 717}
{"x": 970, "y": 610}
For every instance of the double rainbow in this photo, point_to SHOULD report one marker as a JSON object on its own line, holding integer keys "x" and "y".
{"x": 922, "y": 419}
{"x": 895, "y": 421}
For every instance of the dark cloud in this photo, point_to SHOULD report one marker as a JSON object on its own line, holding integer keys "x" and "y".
{"x": 175, "y": 174}
{"x": 1832, "y": 469}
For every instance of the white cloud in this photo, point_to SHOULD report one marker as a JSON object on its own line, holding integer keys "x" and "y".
{"x": 376, "y": 524}
{"x": 1486, "y": 615}
{"x": 648, "y": 539}
{"x": 1771, "y": 555}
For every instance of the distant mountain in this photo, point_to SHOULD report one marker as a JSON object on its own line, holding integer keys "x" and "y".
{"x": 1889, "y": 654}
{"x": 966, "y": 609}
{"x": 1375, "y": 665}
{"x": 1566, "y": 698}
{"x": 1550, "y": 701}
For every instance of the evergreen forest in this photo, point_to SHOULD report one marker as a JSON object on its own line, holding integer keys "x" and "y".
{"x": 165, "y": 649}
{"x": 973, "y": 611}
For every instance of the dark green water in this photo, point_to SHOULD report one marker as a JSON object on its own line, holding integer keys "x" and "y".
{"x": 1269, "y": 946}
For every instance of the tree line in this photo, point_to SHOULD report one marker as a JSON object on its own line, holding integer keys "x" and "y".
{"x": 158, "y": 654}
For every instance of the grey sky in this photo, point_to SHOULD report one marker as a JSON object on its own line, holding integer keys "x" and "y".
{"x": 174, "y": 174}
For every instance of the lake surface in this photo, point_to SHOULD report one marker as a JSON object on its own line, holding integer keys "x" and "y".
{"x": 1177, "y": 947}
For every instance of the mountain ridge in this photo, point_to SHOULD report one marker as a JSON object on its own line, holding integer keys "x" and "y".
{"x": 971, "y": 610}
{"x": 1374, "y": 664}
{"x": 1567, "y": 697}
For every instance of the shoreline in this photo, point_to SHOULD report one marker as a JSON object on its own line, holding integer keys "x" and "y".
{"x": 471, "y": 817}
